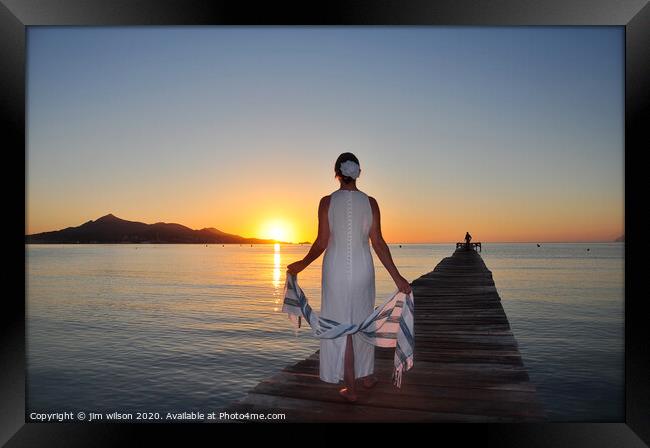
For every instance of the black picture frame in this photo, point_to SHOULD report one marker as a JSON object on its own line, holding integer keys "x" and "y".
{"x": 634, "y": 15}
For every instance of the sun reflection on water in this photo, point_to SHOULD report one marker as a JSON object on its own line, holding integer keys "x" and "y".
{"x": 276, "y": 275}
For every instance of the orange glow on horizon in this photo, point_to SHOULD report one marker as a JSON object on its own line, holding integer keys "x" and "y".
{"x": 407, "y": 216}
{"x": 277, "y": 229}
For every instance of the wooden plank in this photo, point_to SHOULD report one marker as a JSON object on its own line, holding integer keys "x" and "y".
{"x": 298, "y": 410}
{"x": 418, "y": 398}
{"x": 385, "y": 389}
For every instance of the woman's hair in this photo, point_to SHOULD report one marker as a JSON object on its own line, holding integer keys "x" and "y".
{"x": 337, "y": 166}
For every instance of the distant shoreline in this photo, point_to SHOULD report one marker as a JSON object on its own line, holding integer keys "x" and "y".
{"x": 109, "y": 229}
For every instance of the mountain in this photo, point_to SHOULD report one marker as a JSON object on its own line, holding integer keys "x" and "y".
{"x": 111, "y": 229}
{"x": 620, "y": 239}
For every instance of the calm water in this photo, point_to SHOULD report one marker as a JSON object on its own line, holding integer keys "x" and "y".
{"x": 191, "y": 328}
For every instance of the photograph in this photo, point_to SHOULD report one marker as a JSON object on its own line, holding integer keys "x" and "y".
{"x": 325, "y": 224}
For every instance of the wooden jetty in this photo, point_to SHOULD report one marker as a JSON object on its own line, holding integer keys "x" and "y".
{"x": 467, "y": 366}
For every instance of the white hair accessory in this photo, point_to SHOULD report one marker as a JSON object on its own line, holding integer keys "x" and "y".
{"x": 350, "y": 168}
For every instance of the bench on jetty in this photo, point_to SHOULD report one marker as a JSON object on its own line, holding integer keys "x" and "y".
{"x": 467, "y": 366}
{"x": 469, "y": 246}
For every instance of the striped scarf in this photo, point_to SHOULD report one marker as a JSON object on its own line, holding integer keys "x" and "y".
{"x": 389, "y": 325}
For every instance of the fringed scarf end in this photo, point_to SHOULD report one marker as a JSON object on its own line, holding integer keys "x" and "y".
{"x": 296, "y": 320}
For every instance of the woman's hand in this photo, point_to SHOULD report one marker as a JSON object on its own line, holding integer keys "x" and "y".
{"x": 403, "y": 285}
{"x": 296, "y": 267}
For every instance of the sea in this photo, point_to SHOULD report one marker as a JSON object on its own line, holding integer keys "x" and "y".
{"x": 157, "y": 328}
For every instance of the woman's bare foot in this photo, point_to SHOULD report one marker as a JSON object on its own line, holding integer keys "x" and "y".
{"x": 370, "y": 381}
{"x": 348, "y": 395}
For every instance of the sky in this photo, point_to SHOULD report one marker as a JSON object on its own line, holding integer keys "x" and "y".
{"x": 510, "y": 133}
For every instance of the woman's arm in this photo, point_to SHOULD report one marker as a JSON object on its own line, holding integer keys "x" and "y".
{"x": 382, "y": 250}
{"x": 322, "y": 239}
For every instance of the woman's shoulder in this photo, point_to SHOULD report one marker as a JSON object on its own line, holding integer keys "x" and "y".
{"x": 373, "y": 203}
{"x": 325, "y": 200}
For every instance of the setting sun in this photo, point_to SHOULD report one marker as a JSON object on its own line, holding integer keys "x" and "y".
{"x": 277, "y": 230}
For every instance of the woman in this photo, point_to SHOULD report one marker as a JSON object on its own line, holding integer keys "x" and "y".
{"x": 347, "y": 219}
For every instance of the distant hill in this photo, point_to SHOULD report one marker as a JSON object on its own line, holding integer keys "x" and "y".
{"x": 111, "y": 229}
{"x": 620, "y": 239}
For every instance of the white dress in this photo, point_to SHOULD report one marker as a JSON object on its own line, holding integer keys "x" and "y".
{"x": 348, "y": 282}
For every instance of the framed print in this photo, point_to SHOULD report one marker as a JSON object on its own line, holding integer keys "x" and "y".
{"x": 363, "y": 213}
